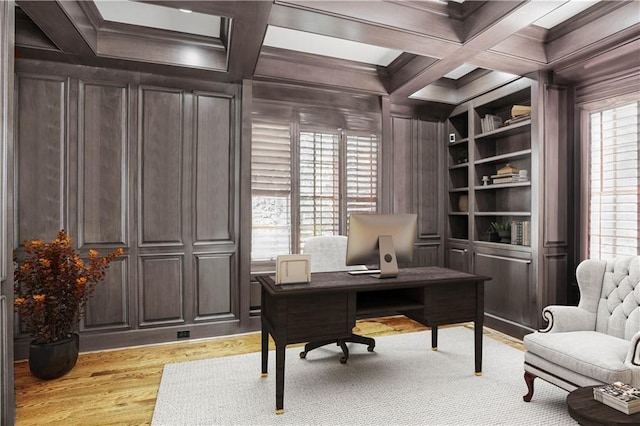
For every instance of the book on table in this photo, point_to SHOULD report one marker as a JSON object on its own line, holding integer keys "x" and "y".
{"x": 622, "y": 397}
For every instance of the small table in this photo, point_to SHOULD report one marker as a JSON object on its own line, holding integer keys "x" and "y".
{"x": 589, "y": 412}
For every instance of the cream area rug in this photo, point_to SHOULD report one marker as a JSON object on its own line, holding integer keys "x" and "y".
{"x": 403, "y": 382}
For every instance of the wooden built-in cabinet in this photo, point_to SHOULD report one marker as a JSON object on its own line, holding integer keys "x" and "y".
{"x": 523, "y": 280}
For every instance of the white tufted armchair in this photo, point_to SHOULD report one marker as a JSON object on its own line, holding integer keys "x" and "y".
{"x": 597, "y": 341}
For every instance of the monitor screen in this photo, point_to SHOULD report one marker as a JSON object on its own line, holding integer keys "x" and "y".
{"x": 382, "y": 239}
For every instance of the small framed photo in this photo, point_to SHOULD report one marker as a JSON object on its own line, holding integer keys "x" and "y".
{"x": 452, "y": 137}
{"x": 293, "y": 268}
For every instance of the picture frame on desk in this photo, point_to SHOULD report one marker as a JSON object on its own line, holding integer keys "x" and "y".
{"x": 293, "y": 269}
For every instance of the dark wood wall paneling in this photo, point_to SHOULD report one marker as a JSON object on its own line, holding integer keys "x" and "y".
{"x": 7, "y": 34}
{"x": 416, "y": 175}
{"x": 147, "y": 163}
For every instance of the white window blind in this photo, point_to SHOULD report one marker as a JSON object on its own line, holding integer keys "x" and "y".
{"x": 362, "y": 174}
{"x": 614, "y": 182}
{"x": 270, "y": 189}
{"x": 305, "y": 184}
{"x": 319, "y": 184}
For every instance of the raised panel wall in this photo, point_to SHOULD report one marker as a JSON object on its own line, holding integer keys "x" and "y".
{"x": 214, "y": 293}
{"x": 103, "y": 149}
{"x": 213, "y": 160}
{"x": 160, "y": 150}
{"x": 109, "y": 307}
{"x": 149, "y": 164}
{"x": 41, "y": 150}
{"x": 161, "y": 290}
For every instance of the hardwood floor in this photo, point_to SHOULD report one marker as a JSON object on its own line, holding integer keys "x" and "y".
{"x": 119, "y": 387}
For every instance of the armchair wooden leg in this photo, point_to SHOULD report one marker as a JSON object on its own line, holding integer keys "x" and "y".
{"x": 529, "y": 378}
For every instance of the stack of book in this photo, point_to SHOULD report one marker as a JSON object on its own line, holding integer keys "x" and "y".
{"x": 620, "y": 396}
{"x": 521, "y": 233}
{"x": 505, "y": 178}
{"x": 490, "y": 122}
{"x": 519, "y": 113}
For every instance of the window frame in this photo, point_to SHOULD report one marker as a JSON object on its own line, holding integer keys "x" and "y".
{"x": 295, "y": 136}
{"x": 584, "y": 164}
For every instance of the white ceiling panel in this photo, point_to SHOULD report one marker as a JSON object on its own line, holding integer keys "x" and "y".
{"x": 153, "y": 16}
{"x": 300, "y": 41}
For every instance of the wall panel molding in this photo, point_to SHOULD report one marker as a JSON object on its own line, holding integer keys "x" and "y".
{"x": 42, "y": 152}
{"x": 214, "y": 297}
{"x": 160, "y": 166}
{"x": 103, "y": 163}
{"x": 214, "y": 154}
{"x": 109, "y": 308}
{"x": 161, "y": 289}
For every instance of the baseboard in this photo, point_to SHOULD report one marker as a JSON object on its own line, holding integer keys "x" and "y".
{"x": 506, "y": 326}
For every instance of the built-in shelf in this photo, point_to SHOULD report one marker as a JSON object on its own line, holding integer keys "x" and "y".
{"x": 513, "y": 129}
{"x": 503, "y": 185}
{"x": 514, "y": 247}
{"x": 464, "y": 189}
{"x": 459, "y": 166}
{"x": 459, "y": 213}
{"x": 460, "y": 142}
{"x": 502, "y": 213}
{"x": 503, "y": 157}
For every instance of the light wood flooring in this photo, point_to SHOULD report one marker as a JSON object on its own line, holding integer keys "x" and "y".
{"x": 119, "y": 387}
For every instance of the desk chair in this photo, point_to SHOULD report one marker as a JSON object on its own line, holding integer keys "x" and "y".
{"x": 328, "y": 254}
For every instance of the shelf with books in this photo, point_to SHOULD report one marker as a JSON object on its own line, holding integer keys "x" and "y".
{"x": 510, "y": 130}
{"x": 502, "y": 186}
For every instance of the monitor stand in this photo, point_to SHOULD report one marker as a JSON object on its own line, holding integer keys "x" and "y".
{"x": 388, "y": 262}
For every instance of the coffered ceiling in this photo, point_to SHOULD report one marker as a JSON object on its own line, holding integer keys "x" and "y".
{"x": 412, "y": 51}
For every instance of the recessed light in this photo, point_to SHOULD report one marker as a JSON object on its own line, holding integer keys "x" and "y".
{"x": 185, "y": 10}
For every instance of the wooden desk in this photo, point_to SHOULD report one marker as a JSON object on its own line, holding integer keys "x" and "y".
{"x": 327, "y": 307}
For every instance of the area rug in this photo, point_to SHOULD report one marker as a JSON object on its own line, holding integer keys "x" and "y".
{"x": 403, "y": 382}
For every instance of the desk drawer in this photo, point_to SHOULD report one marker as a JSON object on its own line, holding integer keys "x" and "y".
{"x": 317, "y": 317}
{"x": 451, "y": 303}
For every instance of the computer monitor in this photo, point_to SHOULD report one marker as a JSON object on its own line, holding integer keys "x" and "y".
{"x": 383, "y": 239}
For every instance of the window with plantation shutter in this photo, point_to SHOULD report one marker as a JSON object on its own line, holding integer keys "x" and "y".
{"x": 270, "y": 189}
{"x": 331, "y": 173}
{"x": 614, "y": 181}
{"x": 319, "y": 184}
{"x": 362, "y": 174}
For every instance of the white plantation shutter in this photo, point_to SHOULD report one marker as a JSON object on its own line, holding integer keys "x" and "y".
{"x": 362, "y": 174}
{"x": 331, "y": 174}
{"x": 614, "y": 182}
{"x": 270, "y": 189}
{"x": 319, "y": 184}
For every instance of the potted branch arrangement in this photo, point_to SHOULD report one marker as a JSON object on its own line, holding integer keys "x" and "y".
{"x": 52, "y": 286}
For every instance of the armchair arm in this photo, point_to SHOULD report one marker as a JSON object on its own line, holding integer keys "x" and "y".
{"x": 633, "y": 355}
{"x": 568, "y": 318}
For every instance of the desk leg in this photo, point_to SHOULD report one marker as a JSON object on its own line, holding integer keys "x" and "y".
{"x": 477, "y": 328}
{"x": 434, "y": 338}
{"x": 265, "y": 350}
{"x": 280, "y": 350}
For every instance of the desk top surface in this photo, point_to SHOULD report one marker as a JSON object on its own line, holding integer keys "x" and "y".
{"x": 343, "y": 281}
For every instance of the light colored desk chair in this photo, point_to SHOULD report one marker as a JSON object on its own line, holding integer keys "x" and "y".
{"x": 328, "y": 254}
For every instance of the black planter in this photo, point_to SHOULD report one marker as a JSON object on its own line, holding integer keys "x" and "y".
{"x": 53, "y": 360}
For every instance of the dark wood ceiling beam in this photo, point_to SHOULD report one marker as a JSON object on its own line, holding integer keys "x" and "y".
{"x": 228, "y": 9}
{"x": 286, "y": 65}
{"x": 248, "y": 28}
{"x": 331, "y": 26}
{"x": 388, "y": 14}
{"x": 161, "y": 50}
{"x": 64, "y": 24}
{"x": 485, "y": 16}
{"x": 524, "y": 15}
{"x": 623, "y": 18}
